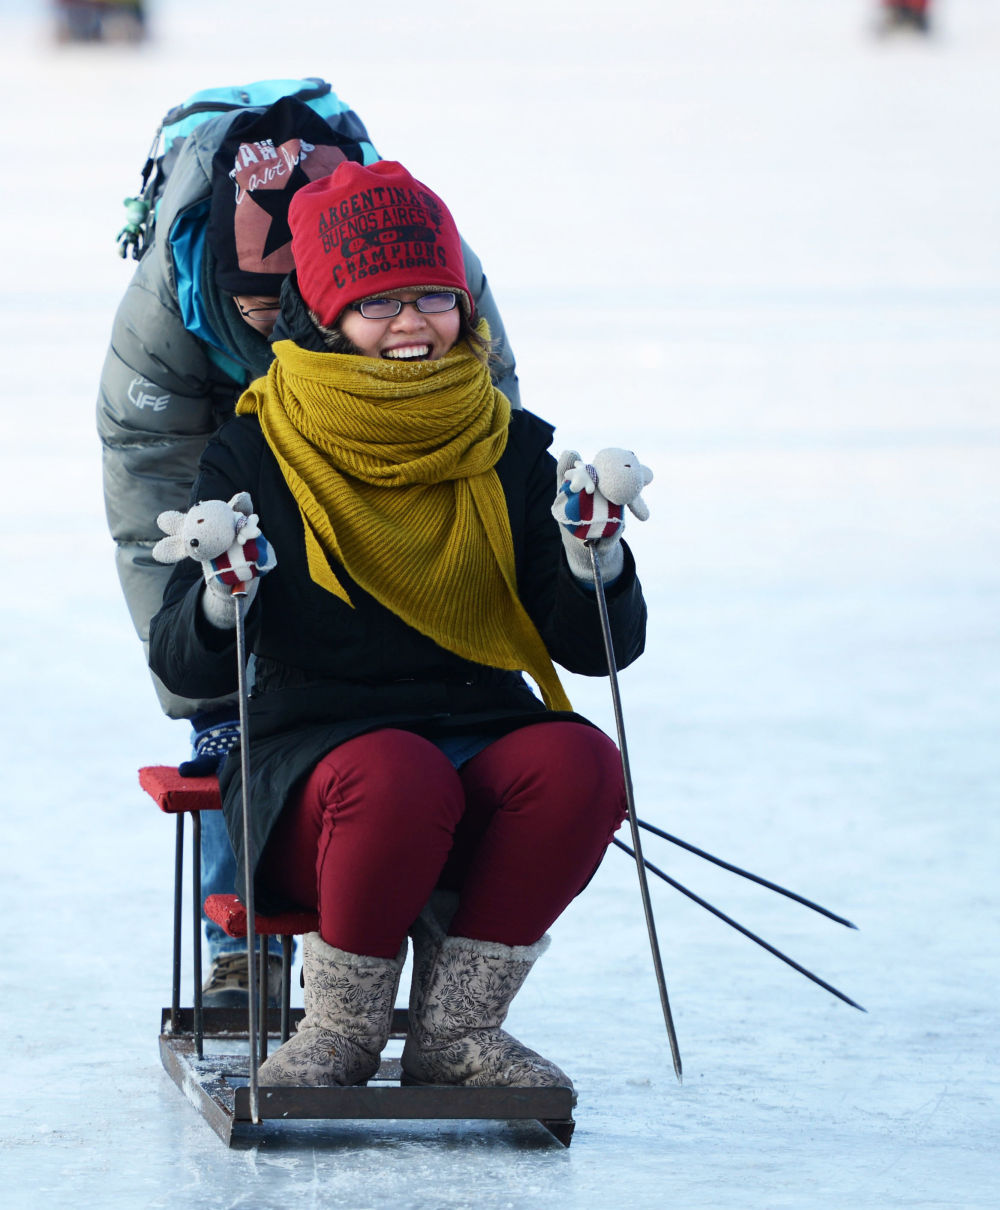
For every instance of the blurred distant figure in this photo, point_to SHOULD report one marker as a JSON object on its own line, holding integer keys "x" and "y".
{"x": 100, "y": 21}
{"x": 906, "y": 14}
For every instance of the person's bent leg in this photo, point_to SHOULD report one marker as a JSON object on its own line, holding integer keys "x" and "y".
{"x": 227, "y": 983}
{"x": 366, "y": 837}
{"x": 364, "y": 843}
{"x": 542, "y": 805}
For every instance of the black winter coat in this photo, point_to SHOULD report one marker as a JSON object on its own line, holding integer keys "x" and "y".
{"x": 325, "y": 672}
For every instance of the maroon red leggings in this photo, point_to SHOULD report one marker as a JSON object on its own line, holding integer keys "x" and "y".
{"x": 385, "y": 818}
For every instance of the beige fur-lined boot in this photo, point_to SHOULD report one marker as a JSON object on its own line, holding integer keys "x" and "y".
{"x": 427, "y": 932}
{"x": 349, "y": 1000}
{"x": 462, "y": 990}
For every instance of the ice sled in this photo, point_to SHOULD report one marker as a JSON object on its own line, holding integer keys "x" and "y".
{"x": 206, "y": 1051}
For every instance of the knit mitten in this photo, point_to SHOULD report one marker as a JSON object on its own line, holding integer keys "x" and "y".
{"x": 218, "y": 603}
{"x": 210, "y": 744}
{"x": 590, "y": 504}
{"x": 224, "y": 537}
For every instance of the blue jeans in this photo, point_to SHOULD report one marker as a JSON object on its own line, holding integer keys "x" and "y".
{"x": 218, "y": 877}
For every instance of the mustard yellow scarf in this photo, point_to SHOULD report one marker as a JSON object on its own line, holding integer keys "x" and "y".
{"x": 391, "y": 464}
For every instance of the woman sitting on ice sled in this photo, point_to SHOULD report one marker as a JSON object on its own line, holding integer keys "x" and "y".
{"x": 405, "y": 778}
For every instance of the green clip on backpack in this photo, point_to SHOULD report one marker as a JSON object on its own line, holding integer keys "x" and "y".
{"x": 177, "y": 124}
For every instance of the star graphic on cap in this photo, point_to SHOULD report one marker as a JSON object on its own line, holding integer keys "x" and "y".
{"x": 275, "y": 203}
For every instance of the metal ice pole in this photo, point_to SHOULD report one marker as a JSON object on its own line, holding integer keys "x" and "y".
{"x": 735, "y": 869}
{"x": 239, "y": 600}
{"x": 739, "y": 927}
{"x": 647, "y": 907}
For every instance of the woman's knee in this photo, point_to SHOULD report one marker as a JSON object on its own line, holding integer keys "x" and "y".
{"x": 390, "y": 775}
{"x": 571, "y": 753}
{"x": 567, "y": 766}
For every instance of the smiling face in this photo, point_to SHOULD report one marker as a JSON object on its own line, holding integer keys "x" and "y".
{"x": 411, "y": 335}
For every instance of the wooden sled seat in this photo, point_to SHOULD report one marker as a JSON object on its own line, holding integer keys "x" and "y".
{"x": 174, "y": 794}
{"x": 230, "y": 915}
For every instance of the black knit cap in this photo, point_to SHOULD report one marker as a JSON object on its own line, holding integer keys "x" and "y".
{"x": 263, "y": 159}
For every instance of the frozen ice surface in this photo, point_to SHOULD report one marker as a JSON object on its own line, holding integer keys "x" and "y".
{"x": 760, "y": 246}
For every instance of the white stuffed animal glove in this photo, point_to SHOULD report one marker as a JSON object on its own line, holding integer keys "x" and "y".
{"x": 224, "y": 537}
{"x": 590, "y": 504}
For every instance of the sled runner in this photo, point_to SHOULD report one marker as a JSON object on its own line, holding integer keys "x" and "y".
{"x": 205, "y": 1051}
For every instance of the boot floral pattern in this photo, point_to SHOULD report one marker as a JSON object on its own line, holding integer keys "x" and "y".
{"x": 427, "y": 932}
{"x": 349, "y": 1000}
{"x": 461, "y": 993}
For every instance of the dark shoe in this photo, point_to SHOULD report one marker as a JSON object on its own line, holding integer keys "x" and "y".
{"x": 228, "y": 983}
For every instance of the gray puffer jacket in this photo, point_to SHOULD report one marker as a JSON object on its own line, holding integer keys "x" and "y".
{"x": 170, "y": 379}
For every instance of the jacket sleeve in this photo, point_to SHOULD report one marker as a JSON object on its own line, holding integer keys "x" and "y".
{"x": 564, "y": 610}
{"x": 159, "y": 401}
{"x": 504, "y": 371}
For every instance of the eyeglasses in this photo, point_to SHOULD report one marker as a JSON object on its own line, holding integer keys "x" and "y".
{"x": 250, "y": 312}
{"x": 388, "y": 308}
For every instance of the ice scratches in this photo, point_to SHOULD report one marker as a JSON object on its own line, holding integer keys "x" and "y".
{"x": 306, "y": 1187}
{"x": 42, "y": 1136}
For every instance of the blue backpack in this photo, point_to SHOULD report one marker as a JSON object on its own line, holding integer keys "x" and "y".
{"x": 177, "y": 124}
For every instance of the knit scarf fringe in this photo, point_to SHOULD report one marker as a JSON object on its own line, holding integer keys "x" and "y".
{"x": 393, "y": 472}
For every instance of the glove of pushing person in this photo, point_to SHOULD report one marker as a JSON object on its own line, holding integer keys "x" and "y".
{"x": 212, "y": 737}
{"x": 590, "y": 503}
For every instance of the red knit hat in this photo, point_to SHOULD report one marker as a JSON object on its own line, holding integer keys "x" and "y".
{"x": 368, "y": 230}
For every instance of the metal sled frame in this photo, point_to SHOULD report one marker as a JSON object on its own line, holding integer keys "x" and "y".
{"x": 217, "y": 1086}
{"x": 205, "y": 1051}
